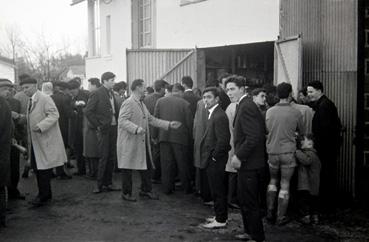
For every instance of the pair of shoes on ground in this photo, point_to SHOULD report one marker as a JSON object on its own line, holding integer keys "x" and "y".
{"x": 244, "y": 237}
{"x": 212, "y": 223}
{"x": 149, "y": 195}
{"x": 37, "y": 202}
{"x": 108, "y": 188}
{"x": 310, "y": 219}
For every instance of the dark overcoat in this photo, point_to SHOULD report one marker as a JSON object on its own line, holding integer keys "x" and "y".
{"x": 6, "y": 128}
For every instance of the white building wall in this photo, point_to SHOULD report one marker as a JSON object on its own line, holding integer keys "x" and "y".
{"x": 7, "y": 72}
{"x": 215, "y": 22}
{"x": 203, "y": 24}
{"x": 120, "y": 12}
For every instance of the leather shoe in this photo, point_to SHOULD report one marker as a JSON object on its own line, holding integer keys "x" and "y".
{"x": 97, "y": 190}
{"x": 111, "y": 188}
{"x": 233, "y": 205}
{"x": 37, "y": 202}
{"x": 214, "y": 225}
{"x": 243, "y": 237}
{"x": 149, "y": 195}
{"x": 128, "y": 197}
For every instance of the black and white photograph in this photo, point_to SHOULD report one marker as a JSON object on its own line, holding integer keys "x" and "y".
{"x": 184, "y": 120}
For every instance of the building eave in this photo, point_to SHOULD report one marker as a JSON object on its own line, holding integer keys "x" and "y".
{"x": 74, "y": 2}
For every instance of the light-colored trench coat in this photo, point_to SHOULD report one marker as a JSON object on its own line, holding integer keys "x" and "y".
{"x": 48, "y": 145}
{"x": 131, "y": 147}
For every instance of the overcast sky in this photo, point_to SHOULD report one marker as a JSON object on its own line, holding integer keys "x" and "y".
{"x": 56, "y": 19}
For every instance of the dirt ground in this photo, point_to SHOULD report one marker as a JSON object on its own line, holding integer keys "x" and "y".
{"x": 78, "y": 215}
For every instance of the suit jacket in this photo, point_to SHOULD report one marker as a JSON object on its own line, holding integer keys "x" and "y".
{"x": 151, "y": 100}
{"x": 190, "y": 97}
{"x": 63, "y": 104}
{"x": 5, "y": 142}
{"x": 99, "y": 111}
{"x": 249, "y": 135}
{"x": 326, "y": 126}
{"x": 215, "y": 142}
{"x": 224, "y": 99}
{"x": 132, "y": 147}
{"x": 174, "y": 108}
{"x": 48, "y": 144}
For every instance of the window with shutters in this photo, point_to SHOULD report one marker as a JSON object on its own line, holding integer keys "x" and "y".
{"x": 145, "y": 23}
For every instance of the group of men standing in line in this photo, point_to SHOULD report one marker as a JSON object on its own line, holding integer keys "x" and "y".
{"x": 216, "y": 144}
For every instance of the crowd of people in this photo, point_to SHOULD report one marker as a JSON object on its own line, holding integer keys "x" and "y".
{"x": 234, "y": 144}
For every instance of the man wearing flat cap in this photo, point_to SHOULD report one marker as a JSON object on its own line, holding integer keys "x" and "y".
{"x": 102, "y": 113}
{"x": 18, "y": 120}
{"x": 45, "y": 143}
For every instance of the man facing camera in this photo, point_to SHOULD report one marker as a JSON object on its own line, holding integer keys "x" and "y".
{"x": 214, "y": 150}
{"x": 45, "y": 142}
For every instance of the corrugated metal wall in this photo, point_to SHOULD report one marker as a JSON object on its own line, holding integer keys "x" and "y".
{"x": 329, "y": 40}
{"x": 152, "y": 64}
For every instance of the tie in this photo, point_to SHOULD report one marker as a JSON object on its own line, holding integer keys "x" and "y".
{"x": 29, "y": 105}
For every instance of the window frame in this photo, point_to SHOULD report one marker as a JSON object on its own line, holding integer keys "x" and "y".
{"x": 108, "y": 34}
{"x": 97, "y": 29}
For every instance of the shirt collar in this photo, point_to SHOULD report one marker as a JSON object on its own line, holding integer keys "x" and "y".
{"x": 33, "y": 96}
{"x": 211, "y": 110}
{"x": 245, "y": 95}
{"x": 188, "y": 90}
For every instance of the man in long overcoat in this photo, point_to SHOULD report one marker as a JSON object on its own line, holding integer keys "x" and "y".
{"x": 45, "y": 143}
{"x": 5, "y": 142}
{"x": 133, "y": 144}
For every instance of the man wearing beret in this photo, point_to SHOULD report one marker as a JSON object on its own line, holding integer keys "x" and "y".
{"x": 102, "y": 113}
{"x": 6, "y": 89}
{"x": 45, "y": 143}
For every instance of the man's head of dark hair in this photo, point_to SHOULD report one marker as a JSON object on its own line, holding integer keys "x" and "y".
{"x": 237, "y": 80}
{"x": 222, "y": 76}
{"x": 23, "y": 77}
{"x": 283, "y": 90}
{"x": 212, "y": 83}
{"x": 169, "y": 88}
{"x": 270, "y": 88}
{"x": 136, "y": 83}
{"x": 120, "y": 86}
{"x": 106, "y": 76}
{"x": 94, "y": 81}
{"x": 74, "y": 84}
{"x": 159, "y": 84}
{"x": 303, "y": 91}
{"x": 178, "y": 87}
{"x": 317, "y": 85}
{"x": 187, "y": 80}
{"x": 149, "y": 90}
{"x": 256, "y": 91}
{"x": 213, "y": 90}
